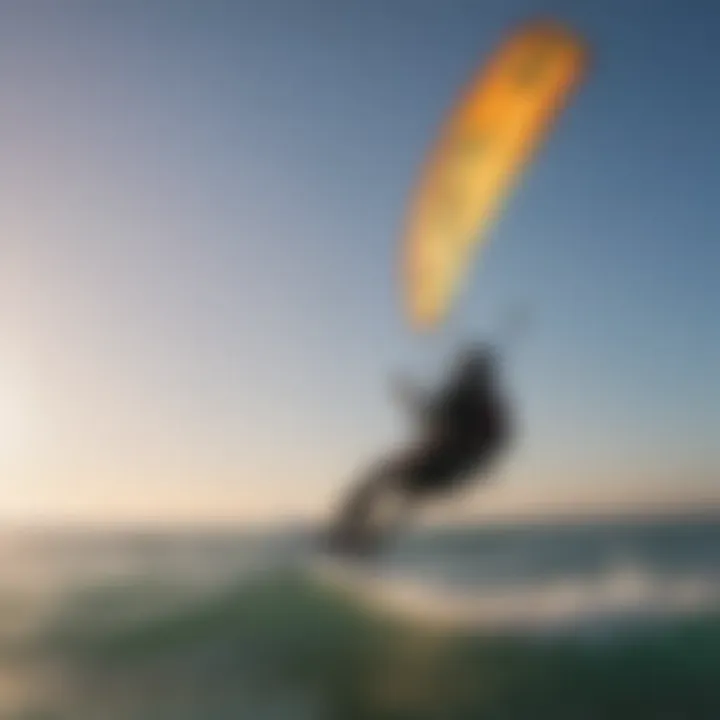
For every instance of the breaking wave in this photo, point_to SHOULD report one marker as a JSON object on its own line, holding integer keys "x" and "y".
{"x": 623, "y": 595}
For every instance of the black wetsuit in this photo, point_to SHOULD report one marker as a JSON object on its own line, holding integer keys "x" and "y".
{"x": 466, "y": 427}
{"x": 463, "y": 431}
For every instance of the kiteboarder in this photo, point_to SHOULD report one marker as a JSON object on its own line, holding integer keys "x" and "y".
{"x": 461, "y": 432}
{"x": 490, "y": 136}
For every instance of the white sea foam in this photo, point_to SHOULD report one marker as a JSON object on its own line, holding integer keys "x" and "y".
{"x": 623, "y": 594}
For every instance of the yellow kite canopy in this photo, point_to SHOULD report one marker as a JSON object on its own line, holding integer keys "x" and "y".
{"x": 489, "y": 137}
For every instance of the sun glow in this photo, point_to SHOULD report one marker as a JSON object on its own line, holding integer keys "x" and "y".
{"x": 15, "y": 419}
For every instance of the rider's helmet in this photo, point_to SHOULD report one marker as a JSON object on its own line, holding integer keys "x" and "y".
{"x": 477, "y": 363}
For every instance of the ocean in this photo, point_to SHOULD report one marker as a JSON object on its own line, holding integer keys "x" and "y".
{"x": 559, "y": 621}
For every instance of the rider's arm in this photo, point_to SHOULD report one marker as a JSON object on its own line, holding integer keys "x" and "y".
{"x": 409, "y": 396}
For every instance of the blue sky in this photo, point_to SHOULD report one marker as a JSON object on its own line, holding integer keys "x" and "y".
{"x": 202, "y": 205}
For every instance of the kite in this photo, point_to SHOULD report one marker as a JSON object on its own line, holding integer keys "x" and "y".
{"x": 486, "y": 143}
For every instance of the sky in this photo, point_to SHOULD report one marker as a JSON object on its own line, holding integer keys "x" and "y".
{"x": 201, "y": 206}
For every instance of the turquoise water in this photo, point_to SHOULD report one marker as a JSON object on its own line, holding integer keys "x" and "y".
{"x": 573, "y": 622}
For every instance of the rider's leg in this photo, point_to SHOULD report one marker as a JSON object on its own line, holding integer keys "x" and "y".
{"x": 356, "y": 525}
